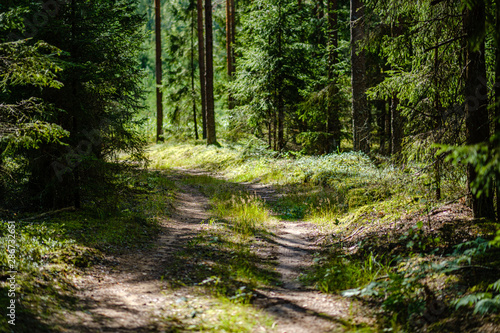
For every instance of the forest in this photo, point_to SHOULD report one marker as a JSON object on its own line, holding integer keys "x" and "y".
{"x": 249, "y": 166}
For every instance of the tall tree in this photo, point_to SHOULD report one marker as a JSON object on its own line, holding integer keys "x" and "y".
{"x": 333, "y": 121}
{"x": 476, "y": 96}
{"x": 230, "y": 39}
{"x": 497, "y": 94}
{"x": 360, "y": 111}
{"x": 201, "y": 61}
{"x": 159, "y": 94}
{"x": 96, "y": 102}
{"x": 192, "y": 77}
{"x": 209, "y": 75}
{"x": 395, "y": 113}
{"x": 279, "y": 82}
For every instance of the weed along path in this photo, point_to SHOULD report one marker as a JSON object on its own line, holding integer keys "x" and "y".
{"x": 213, "y": 268}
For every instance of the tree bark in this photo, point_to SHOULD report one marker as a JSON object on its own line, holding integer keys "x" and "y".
{"x": 333, "y": 121}
{"x": 360, "y": 111}
{"x": 497, "y": 95}
{"x": 388, "y": 131}
{"x": 396, "y": 127}
{"x": 476, "y": 98}
{"x": 229, "y": 45}
{"x": 209, "y": 75}
{"x": 192, "y": 78}
{"x": 159, "y": 94}
{"x": 233, "y": 33}
{"x": 281, "y": 111}
{"x": 396, "y": 118}
{"x": 201, "y": 60}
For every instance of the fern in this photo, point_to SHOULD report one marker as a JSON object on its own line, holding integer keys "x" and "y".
{"x": 495, "y": 286}
{"x": 483, "y": 302}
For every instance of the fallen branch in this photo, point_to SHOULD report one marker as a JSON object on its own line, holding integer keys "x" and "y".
{"x": 67, "y": 209}
{"x": 353, "y": 234}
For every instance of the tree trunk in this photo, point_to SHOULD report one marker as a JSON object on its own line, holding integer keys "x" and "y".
{"x": 396, "y": 127}
{"x": 333, "y": 121}
{"x": 159, "y": 94}
{"x": 437, "y": 125}
{"x": 281, "y": 111}
{"x": 396, "y": 118}
{"x": 497, "y": 95}
{"x": 360, "y": 111}
{"x": 476, "y": 98}
{"x": 229, "y": 45}
{"x": 201, "y": 60}
{"x": 192, "y": 78}
{"x": 233, "y": 33}
{"x": 382, "y": 107}
{"x": 388, "y": 132}
{"x": 75, "y": 179}
{"x": 228, "y": 37}
{"x": 209, "y": 75}
{"x": 275, "y": 131}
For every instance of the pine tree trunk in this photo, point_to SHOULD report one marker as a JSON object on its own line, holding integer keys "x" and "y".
{"x": 388, "y": 132}
{"x": 233, "y": 33}
{"x": 396, "y": 127}
{"x": 75, "y": 180}
{"x": 396, "y": 118}
{"x": 360, "y": 111}
{"x": 281, "y": 111}
{"x": 201, "y": 60}
{"x": 209, "y": 75}
{"x": 497, "y": 96}
{"x": 381, "y": 106}
{"x": 192, "y": 78}
{"x": 229, "y": 46}
{"x": 333, "y": 121}
{"x": 159, "y": 94}
{"x": 476, "y": 98}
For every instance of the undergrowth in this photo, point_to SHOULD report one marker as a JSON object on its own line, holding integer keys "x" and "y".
{"x": 51, "y": 248}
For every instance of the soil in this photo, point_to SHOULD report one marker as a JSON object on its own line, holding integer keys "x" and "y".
{"x": 126, "y": 293}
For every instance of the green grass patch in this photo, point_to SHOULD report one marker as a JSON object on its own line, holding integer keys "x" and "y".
{"x": 208, "y": 314}
{"x": 243, "y": 213}
{"x": 339, "y": 272}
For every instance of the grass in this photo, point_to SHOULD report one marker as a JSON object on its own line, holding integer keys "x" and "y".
{"x": 208, "y": 314}
{"x": 240, "y": 225}
{"x": 339, "y": 272}
{"x": 243, "y": 213}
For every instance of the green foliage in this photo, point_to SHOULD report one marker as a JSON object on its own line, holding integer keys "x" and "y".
{"x": 25, "y": 63}
{"x": 484, "y": 157}
{"x": 71, "y": 92}
{"x": 340, "y": 272}
{"x": 274, "y": 64}
{"x": 483, "y": 302}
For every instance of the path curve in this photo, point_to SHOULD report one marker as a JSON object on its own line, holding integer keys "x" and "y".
{"x": 125, "y": 293}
